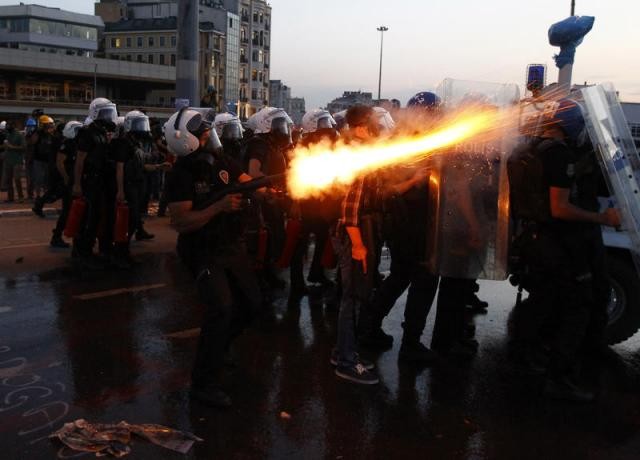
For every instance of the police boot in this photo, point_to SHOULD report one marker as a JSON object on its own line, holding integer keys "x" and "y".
{"x": 58, "y": 242}
{"x": 38, "y": 204}
{"x": 565, "y": 389}
{"x": 371, "y": 334}
{"x": 415, "y": 353}
{"x": 142, "y": 235}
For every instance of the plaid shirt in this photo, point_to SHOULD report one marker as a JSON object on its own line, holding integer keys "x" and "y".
{"x": 360, "y": 199}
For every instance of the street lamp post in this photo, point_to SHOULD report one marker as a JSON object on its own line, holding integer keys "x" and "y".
{"x": 382, "y": 30}
{"x": 573, "y": 7}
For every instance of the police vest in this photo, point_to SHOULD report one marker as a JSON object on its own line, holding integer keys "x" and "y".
{"x": 528, "y": 189}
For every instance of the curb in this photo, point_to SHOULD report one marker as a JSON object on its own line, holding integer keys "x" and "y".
{"x": 28, "y": 212}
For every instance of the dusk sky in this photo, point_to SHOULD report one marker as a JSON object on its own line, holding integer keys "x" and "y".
{"x": 322, "y": 48}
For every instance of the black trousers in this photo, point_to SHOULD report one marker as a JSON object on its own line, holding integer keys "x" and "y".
{"x": 94, "y": 194}
{"x": 449, "y": 326}
{"x": 422, "y": 290}
{"x": 230, "y": 291}
{"x": 64, "y": 214}
{"x": 319, "y": 228}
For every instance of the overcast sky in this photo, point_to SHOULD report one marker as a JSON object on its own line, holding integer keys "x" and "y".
{"x": 321, "y": 48}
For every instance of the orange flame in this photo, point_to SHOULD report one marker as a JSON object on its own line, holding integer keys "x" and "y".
{"x": 318, "y": 169}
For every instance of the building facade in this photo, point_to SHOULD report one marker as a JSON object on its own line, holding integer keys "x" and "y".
{"x": 348, "y": 99}
{"x": 49, "y": 30}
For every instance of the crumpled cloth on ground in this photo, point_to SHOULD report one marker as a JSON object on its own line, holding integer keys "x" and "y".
{"x": 114, "y": 439}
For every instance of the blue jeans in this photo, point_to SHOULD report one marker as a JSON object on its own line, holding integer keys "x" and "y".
{"x": 349, "y": 303}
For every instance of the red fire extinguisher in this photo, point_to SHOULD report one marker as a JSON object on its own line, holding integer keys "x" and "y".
{"x": 121, "y": 229}
{"x": 76, "y": 214}
{"x": 329, "y": 259}
{"x": 294, "y": 228}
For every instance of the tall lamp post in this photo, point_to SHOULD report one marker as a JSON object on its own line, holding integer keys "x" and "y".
{"x": 382, "y": 30}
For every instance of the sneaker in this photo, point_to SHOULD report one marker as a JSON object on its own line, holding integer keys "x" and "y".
{"x": 416, "y": 353}
{"x": 376, "y": 339}
{"x": 564, "y": 389}
{"x": 357, "y": 374}
{"x": 211, "y": 395}
{"x": 368, "y": 365}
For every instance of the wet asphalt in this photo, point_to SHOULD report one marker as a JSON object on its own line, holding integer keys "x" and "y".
{"x": 116, "y": 345}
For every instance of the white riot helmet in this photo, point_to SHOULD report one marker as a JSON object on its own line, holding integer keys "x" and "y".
{"x": 272, "y": 120}
{"x": 228, "y": 126}
{"x": 252, "y": 122}
{"x": 136, "y": 122}
{"x": 183, "y": 130}
{"x": 382, "y": 120}
{"x": 317, "y": 119}
{"x": 341, "y": 120}
{"x": 71, "y": 129}
{"x": 103, "y": 109}
{"x": 3, "y": 125}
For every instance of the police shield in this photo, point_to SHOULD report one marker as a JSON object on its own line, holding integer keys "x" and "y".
{"x": 612, "y": 140}
{"x": 468, "y": 234}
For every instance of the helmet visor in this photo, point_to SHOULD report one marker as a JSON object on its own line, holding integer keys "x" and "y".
{"x": 232, "y": 131}
{"x": 213, "y": 144}
{"x": 140, "y": 125}
{"x": 107, "y": 114}
{"x": 325, "y": 123}
{"x": 280, "y": 126}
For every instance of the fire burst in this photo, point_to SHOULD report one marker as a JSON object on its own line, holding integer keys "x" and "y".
{"x": 319, "y": 169}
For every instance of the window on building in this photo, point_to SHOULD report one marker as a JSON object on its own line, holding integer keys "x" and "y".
{"x": 254, "y": 93}
{"x": 161, "y": 59}
{"x": 260, "y": 56}
{"x": 162, "y": 41}
{"x": 150, "y": 59}
{"x": 128, "y": 42}
{"x": 230, "y": 23}
{"x": 261, "y": 18}
{"x": 173, "y": 60}
{"x": 260, "y": 76}
{"x": 254, "y": 75}
{"x": 173, "y": 41}
{"x": 139, "y": 57}
{"x": 139, "y": 42}
{"x": 128, "y": 57}
{"x": 151, "y": 42}
{"x": 113, "y": 43}
{"x": 254, "y": 56}
{"x": 254, "y": 37}
{"x": 635, "y": 129}
{"x": 243, "y": 34}
{"x": 261, "y": 38}
{"x": 255, "y": 19}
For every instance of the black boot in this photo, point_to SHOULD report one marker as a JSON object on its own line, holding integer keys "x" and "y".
{"x": 416, "y": 353}
{"x": 37, "y": 207}
{"x": 142, "y": 235}
{"x": 58, "y": 242}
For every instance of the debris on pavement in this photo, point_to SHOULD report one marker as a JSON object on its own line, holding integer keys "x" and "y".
{"x": 114, "y": 439}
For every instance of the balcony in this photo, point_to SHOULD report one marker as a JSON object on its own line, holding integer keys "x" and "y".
{"x": 244, "y": 60}
{"x": 244, "y": 80}
{"x": 244, "y": 41}
{"x": 244, "y": 18}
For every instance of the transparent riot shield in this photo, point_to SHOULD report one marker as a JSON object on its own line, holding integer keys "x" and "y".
{"x": 611, "y": 137}
{"x": 468, "y": 232}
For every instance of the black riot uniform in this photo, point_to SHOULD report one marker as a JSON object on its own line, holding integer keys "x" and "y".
{"x": 68, "y": 151}
{"x": 128, "y": 151}
{"x": 217, "y": 257}
{"x": 271, "y": 156}
{"x": 45, "y": 151}
{"x": 560, "y": 263}
{"x": 98, "y": 188}
{"x": 408, "y": 218}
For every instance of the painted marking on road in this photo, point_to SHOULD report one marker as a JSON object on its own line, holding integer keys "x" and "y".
{"x": 18, "y": 246}
{"x": 186, "y": 334}
{"x": 5, "y": 309}
{"x": 114, "y": 292}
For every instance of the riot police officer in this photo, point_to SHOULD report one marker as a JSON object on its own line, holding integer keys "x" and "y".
{"x": 94, "y": 179}
{"x": 45, "y": 172}
{"x": 229, "y": 130}
{"x": 265, "y": 156}
{"x": 211, "y": 244}
{"x": 553, "y": 185}
{"x": 128, "y": 154}
{"x": 65, "y": 159}
{"x": 407, "y": 234}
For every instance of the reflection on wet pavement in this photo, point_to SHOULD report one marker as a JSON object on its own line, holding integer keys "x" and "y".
{"x": 68, "y": 352}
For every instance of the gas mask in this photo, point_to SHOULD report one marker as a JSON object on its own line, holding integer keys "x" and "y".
{"x": 280, "y": 132}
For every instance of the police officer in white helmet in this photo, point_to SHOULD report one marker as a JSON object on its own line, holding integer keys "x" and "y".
{"x": 210, "y": 243}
